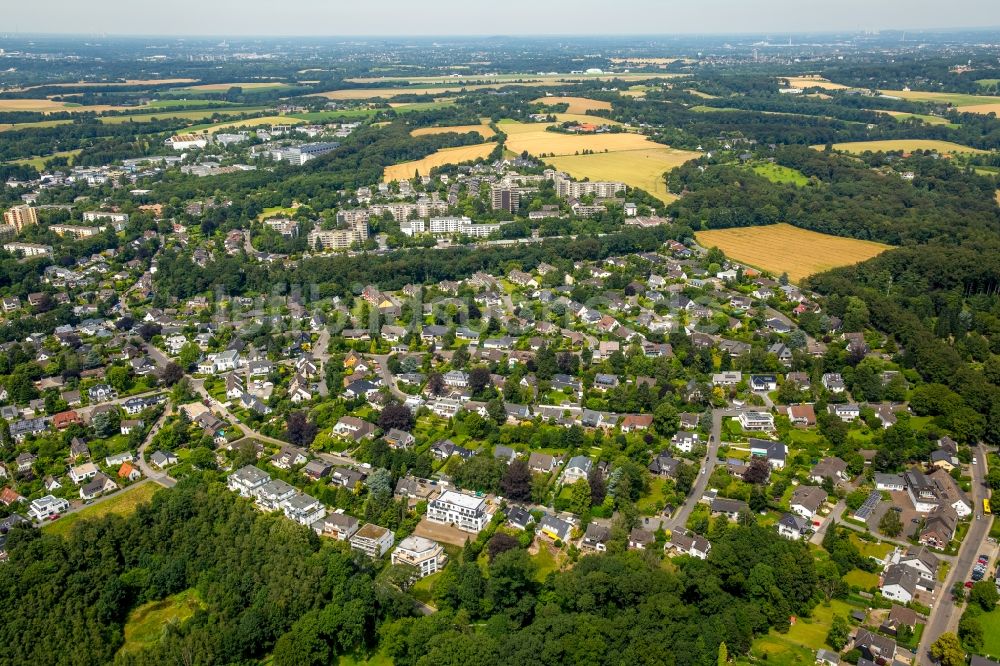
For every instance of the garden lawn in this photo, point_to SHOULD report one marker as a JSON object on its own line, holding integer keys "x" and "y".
{"x": 122, "y": 504}
{"x": 805, "y": 636}
{"x": 991, "y": 633}
{"x": 647, "y": 504}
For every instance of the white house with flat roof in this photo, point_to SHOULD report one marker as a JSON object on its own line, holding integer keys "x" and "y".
{"x": 466, "y": 512}
{"x": 424, "y": 555}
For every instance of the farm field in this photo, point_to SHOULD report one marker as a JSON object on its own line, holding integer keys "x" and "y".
{"x": 409, "y": 107}
{"x": 10, "y": 127}
{"x": 584, "y": 118}
{"x": 146, "y": 624}
{"x": 248, "y": 122}
{"x": 246, "y": 85}
{"x": 779, "y": 248}
{"x": 39, "y": 160}
{"x": 121, "y": 504}
{"x": 781, "y": 174}
{"x": 533, "y": 137}
{"x": 387, "y": 93}
{"x": 199, "y": 114}
{"x": 107, "y": 84}
{"x": 965, "y": 103}
{"x": 905, "y": 145}
{"x": 484, "y": 130}
{"x": 326, "y": 116}
{"x": 436, "y": 159}
{"x": 537, "y": 79}
{"x": 813, "y": 82}
{"x": 929, "y": 119}
{"x": 638, "y": 168}
{"x": 576, "y": 104}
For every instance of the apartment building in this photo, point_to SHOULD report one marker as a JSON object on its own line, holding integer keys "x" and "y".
{"x": 372, "y": 540}
{"x": 339, "y": 239}
{"x": 424, "y": 555}
{"x": 466, "y": 512}
{"x": 20, "y": 217}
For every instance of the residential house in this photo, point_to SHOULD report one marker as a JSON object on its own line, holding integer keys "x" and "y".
{"x": 129, "y": 472}
{"x": 596, "y": 538}
{"x": 337, "y": 525}
{"x": 399, "y": 439}
{"x": 688, "y": 543}
{"x": 730, "y": 508}
{"x": 890, "y": 482}
{"x": 303, "y": 509}
{"x": 541, "y": 463}
{"x": 577, "y": 468}
{"x": 425, "y": 556}
{"x": 351, "y": 427}
{"x": 807, "y": 500}
{"x": 875, "y": 647}
{"x": 831, "y": 468}
{"x": 555, "y": 528}
{"x": 163, "y": 459}
{"x": 756, "y": 420}
{"x": 466, "y": 512}
{"x": 793, "y": 527}
{"x": 271, "y": 495}
{"x": 47, "y": 507}
{"x": 685, "y": 441}
{"x": 99, "y": 485}
{"x": 775, "y": 452}
{"x": 372, "y": 540}
{"x": 801, "y": 415}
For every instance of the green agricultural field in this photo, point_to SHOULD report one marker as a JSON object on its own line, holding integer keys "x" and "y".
{"x": 781, "y": 174}
{"x": 410, "y": 107}
{"x": 39, "y": 160}
{"x": 121, "y": 504}
{"x": 13, "y": 127}
{"x": 146, "y": 624}
{"x": 711, "y": 109}
{"x": 929, "y": 119}
{"x": 197, "y": 114}
{"x": 327, "y": 116}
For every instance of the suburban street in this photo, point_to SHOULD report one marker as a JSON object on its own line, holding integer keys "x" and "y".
{"x": 147, "y": 469}
{"x": 701, "y": 482}
{"x": 945, "y": 614}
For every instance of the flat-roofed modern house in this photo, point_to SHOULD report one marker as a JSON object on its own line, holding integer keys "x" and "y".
{"x": 424, "y": 555}
{"x": 466, "y": 512}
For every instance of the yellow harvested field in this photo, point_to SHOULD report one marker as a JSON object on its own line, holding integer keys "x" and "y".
{"x": 998, "y": 197}
{"x": 246, "y": 85}
{"x": 804, "y": 82}
{"x": 386, "y": 93}
{"x": 484, "y": 130}
{"x": 510, "y": 79}
{"x": 576, "y": 104}
{"x": 436, "y": 159}
{"x": 112, "y": 84}
{"x": 905, "y": 145}
{"x": 637, "y": 168}
{"x": 533, "y": 137}
{"x": 981, "y": 108}
{"x": 779, "y": 248}
{"x": 584, "y": 118}
{"x": 703, "y": 95}
{"x": 48, "y": 105}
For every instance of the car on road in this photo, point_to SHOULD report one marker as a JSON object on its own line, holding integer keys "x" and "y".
{"x": 975, "y": 461}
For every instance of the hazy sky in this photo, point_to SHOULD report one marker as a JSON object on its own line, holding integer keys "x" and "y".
{"x": 482, "y": 17}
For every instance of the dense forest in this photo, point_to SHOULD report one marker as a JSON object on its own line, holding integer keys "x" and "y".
{"x": 268, "y": 586}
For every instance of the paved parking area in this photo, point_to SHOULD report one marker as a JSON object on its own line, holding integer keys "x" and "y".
{"x": 906, "y": 516}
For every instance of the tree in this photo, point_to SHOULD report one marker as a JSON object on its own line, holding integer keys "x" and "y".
{"x": 723, "y": 657}
{"x": 579, "y": 497}
{"x": 171, "y": 374}
{"x": 189, "y": 355}
{"x": 598, "y": 489}
{"x": 970, "y": 629}
{"x": 106, "y": 422}
{"x": 758, "y": 471}
{"x": 838, "y": 634}
{"x": 120, "y": 378}
{"x": 435, "y": 383}
{"x": 501, "y": 542}
{"x": 985, "y": 594}
{"x": 666, "y": 421}
{"x": 516, "y": 482}
{"x": 479, "y": 379}
{"x": 395, "y": 416}
{"x": 497, "y": 411}
{"x": 948, "y": 651}
{"x": 299, "y": 429}
{"x": 890, "y": 524}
